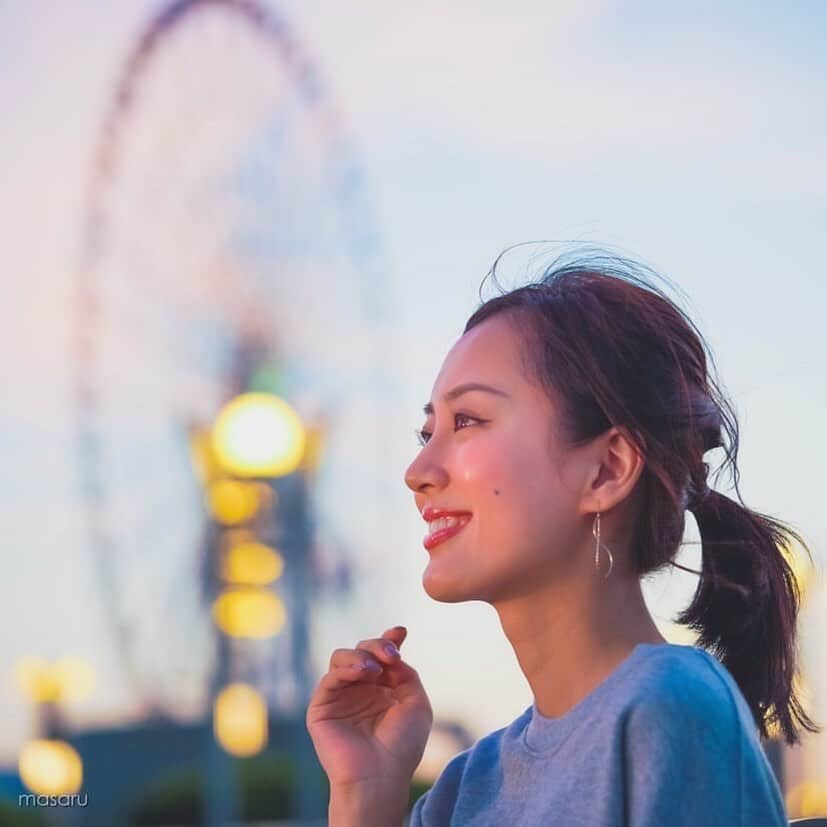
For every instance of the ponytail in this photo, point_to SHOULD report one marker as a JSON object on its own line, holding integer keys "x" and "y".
{"x": 746, "y": 606}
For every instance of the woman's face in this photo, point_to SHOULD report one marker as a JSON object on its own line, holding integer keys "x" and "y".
{"x": 495, "y": 455}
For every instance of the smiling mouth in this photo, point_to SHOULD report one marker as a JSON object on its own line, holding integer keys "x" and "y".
{"x": 440, "y": 535}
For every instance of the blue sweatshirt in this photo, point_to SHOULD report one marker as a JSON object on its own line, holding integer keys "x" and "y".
{"x": 666, "y": 740}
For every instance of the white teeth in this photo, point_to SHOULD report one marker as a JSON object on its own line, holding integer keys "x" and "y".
{"x": 442, "y": 522}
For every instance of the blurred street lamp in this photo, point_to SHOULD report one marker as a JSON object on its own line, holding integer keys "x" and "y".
{"x": 240, "y": 720}
{"x": 251, "y": 563}
{"x": 48, "y": 765}
{"x": 807, "y": 799}
{"x": 68, "y": 679}
{"x": 249, "y": 612}
{"x": 258, "y": 435}
{"x": 233, "y": 502}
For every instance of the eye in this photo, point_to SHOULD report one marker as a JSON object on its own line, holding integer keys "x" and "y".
{"x": 423, "y": 436}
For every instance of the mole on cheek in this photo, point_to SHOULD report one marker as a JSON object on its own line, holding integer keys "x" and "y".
{"x": 496, "y": 492}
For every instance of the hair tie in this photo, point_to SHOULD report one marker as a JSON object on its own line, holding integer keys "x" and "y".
{"x": 696, "y": 497}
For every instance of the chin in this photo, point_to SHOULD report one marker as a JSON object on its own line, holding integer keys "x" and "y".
{"x": 447, "y": 590}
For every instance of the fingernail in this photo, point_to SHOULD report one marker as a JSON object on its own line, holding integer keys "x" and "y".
{"x": 391, "y": 650}
{"x": 368, "y": 664}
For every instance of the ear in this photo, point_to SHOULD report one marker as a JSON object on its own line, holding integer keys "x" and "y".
{"x": 616, "y": 468}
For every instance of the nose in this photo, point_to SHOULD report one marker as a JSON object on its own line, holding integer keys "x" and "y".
{"x": 425, "y": 471}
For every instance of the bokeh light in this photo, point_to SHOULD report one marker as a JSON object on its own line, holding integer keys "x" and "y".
{"x": 240, "y": 720}
{"x": 50, "y": 767}
{"x": 250, "y": 563}
{"x": 806, "y": 799}
{"x": 249, "y": 613}
{"x": 69, "y": 679}
{"x": 259, "y": 435}
{"x": 232, "y": 501}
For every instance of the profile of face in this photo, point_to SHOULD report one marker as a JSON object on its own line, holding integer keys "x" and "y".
{"x": 497, "y": 455}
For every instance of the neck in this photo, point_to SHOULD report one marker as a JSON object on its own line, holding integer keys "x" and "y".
{"x": 569, "y": 636}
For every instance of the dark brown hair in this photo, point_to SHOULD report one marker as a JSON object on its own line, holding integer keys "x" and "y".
{"x": 610, "y": 348}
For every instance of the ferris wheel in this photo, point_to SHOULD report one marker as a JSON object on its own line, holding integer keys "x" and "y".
{"x": 226, "y": 205}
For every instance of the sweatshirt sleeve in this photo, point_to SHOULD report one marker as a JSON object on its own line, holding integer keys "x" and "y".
{"x": 690, "y": 759}
{"x": 435, "y": 807}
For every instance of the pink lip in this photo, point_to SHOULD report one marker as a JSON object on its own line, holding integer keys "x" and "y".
{"x": 433, "y": 540}
{"x": 432, "y": 513}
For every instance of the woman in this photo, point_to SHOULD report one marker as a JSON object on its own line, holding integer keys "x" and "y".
{"x": 564, "y": 443}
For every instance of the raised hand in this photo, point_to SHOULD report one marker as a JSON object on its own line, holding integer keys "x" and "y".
{"x": 369, "y": 716}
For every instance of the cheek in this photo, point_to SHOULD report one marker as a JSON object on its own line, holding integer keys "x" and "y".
{"x": 484, "y": 467}
{"x": 506, "y": 486}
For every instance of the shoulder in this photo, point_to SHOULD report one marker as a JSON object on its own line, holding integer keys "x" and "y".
{"x": 691, "y": 746}
{"x": 685, "y": 692}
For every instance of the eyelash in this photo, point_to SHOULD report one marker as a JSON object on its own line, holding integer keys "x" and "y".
{"x": 422, "y": 436}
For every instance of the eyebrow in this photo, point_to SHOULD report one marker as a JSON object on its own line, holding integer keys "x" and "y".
{"x": 459, "y": 390}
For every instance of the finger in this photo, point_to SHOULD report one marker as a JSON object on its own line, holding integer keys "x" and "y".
{"x": 350, "y": 657}
{"x": 333, "y": 684}
{"x": 344, "y": 673}
{"x": 383, "y": 649}
{"x": 396, "y": 633}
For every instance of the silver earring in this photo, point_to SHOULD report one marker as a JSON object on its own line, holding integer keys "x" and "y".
{"x": 598, "y": 545}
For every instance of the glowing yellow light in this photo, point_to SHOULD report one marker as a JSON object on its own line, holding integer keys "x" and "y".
{"x": 249, "y": 612}
{"x": 314, "y": 443}
{"x": 801, "y": 566}
{"x": 67, "y": 680}
{"x": 807, "y": 799}
{"x": 232, "y": 502}
{"x": 240, "y": 720}
{"x": 259, "y": 435}
{"x": 50, "y": 767}
{"x": 252, "y": 564}
{"x": 203, "y": 455}
{"x": 70, "y": 679}
{"x": 35, "y": 677}
{"x": 75, "y": 678}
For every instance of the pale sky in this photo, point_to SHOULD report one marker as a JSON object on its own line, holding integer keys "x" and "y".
{"x": 691, "y": 138}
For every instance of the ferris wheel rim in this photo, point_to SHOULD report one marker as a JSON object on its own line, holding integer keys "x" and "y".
{"x": 105, "y": 169}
